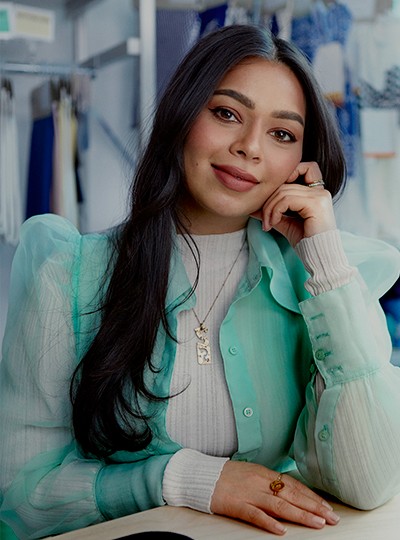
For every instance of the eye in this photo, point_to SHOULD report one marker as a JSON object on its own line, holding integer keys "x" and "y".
{"x": 283, "y": 136}
{"x": 224, "y": 114}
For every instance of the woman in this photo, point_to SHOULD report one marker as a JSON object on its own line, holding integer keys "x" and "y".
{"x": 195, "y": 354}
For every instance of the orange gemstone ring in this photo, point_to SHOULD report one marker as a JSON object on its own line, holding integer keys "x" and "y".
{"x": 277, "y": 485}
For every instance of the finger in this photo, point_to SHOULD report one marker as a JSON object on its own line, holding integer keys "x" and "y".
{"x": 282, "y": 204}
{"x": 299, "y": 495}
{"x": 312, "y": 503}
{"x": 280, "y": 508}
{"x": 309, "y": 169}
{"x": 251, "y": 514}
{"x": 306, "y": 202}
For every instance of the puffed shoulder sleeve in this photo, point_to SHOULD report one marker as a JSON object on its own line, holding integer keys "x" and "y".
{"x": 45, "y": 257}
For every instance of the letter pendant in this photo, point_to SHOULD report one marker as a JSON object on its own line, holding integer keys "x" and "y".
{"x": 203, "y": 346}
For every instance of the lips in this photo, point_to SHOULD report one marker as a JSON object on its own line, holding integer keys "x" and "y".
{"x": 235, "y": 178}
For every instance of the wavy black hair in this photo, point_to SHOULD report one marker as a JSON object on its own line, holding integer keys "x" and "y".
{"x": 108, "y": 385}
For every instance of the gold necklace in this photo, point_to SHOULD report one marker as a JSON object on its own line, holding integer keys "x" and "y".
{"x": 203, "y": 345}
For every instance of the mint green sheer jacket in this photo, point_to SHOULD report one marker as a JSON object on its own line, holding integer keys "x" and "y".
{"x": 274, "y": 339}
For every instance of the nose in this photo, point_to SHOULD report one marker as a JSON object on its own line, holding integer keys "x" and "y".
{"x": 248, "y": 144}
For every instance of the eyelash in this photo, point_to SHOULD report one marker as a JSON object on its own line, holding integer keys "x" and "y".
{"x": 283, "y": 133}
{"x": 218, "y": 112}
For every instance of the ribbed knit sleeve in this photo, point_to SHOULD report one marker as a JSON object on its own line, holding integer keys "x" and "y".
{"x": 325, "y": 260}
{"x": 190, "y": 478}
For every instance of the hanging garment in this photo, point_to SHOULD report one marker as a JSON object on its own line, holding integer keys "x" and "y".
{"x": 10, "y": 188}
{"x": 376, "y": 64}
{"x": 391, "y": 304}
{"x": 212, "y": 18}
{"x": 322, "y": 35}
{"x": 40, "y": 169}
{"x": 375, "y": 50}
{"x": 388, "y": 96}
{"x": 64, "y": 194}
{"x": 53, "y": 181}
{"x": 379, "y": 132}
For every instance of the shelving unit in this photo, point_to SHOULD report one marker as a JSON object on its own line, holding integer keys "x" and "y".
{"x": 143, "y": 46}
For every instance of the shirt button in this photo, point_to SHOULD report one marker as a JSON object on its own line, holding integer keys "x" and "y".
{"x": 233, "y": 350}
{"x": 248, "y": 412}
{"x": 320, "y": 354}
{"x": 323, "y": 435}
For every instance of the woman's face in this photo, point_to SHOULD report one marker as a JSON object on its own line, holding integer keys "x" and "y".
{"x": 244, "y": 144}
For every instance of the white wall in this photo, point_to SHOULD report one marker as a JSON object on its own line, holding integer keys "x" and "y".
{"x": 113, "y": 94}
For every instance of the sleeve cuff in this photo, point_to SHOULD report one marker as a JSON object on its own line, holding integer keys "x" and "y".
{"x": 126, "y": 488}
{"x": 190, "y": 478}
{"x": 325, "y": 260}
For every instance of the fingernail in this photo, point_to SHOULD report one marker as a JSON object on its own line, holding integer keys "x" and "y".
{"x": 266, "y": 227}
{"x": 318, "y": 521}
{"x": 333, "y": 517}
{"x": 281, "y": 528}
{"x": 324, "y": 503}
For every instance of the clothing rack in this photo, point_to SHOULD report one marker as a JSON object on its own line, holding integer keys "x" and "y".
{"x": 130, "y": 47}
{"x": 44, "y": 69}
{"x": 254, "y": 5}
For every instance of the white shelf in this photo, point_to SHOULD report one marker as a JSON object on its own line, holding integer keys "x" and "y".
{"x": 130, "y": 47}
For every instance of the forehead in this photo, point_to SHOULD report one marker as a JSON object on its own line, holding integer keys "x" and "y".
{"x": 266, "y": 81}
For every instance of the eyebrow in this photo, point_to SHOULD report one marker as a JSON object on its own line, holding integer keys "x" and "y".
{"x": 249, "y": 103}
{"x": 289, "y": 115}
{"x": 244, "y": 100}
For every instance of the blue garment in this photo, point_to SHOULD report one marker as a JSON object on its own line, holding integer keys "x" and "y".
{"x": 320, "y": 26}
{"x": 388, "y": 97}
{"x": 391, "y": 305}
{"x": 212, "y": 18}
{"x": 40, "y": 171}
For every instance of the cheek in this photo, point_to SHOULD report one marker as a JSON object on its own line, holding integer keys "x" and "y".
{"x": 292, "y": 162}
{"x": 203, "y": 139}
{"x": 192, "y": 150}
{"x": 283, "y": 168}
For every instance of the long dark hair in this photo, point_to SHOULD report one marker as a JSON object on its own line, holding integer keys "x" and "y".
{"x": 108, "y": 385}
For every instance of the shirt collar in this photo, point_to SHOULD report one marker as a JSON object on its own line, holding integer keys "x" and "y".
{"x": 266, "y": 250}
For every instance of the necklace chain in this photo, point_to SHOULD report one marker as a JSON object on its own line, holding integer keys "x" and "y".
{"x": 203, "y": 345}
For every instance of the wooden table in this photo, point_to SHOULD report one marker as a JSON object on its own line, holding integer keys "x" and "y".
{"x": 380, "y": 524}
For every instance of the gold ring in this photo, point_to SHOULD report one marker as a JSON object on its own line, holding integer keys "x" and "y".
{"x": 277, "y": 485}
{"x": 316, "y": 183}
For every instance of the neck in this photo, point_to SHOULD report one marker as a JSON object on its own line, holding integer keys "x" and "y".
{"x": 210, "y": 224}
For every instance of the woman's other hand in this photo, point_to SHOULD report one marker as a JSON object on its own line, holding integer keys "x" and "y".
{"x": 310, "y": 207}
{"x": 243, "y": 492}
